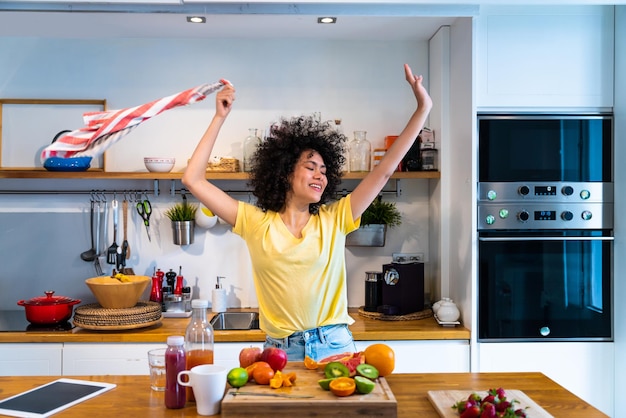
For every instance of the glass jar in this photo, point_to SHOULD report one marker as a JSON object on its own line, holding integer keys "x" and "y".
{"x": 175, "y": 394}
{"x": 360, "y": 152}
{"x": 250, "y": 144}
{"x": 198, "y": 338}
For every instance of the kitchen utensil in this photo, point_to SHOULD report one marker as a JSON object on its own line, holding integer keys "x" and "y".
{"x": 144, "y": 209}
{"x": 112, "y": 251}
{"x": 96, "y": 263}
{"x": 90, "y": 254}
{"x": 208, "y": 382}
{"x": 125, "y": 245}
{"x": 115, "y": 294}
{"x": 49, "y": 309}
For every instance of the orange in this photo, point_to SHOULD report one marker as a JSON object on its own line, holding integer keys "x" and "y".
{"x": 277, "y": 381}
{"x": 250, "y": 368}
{"x": 262, "y": 375}
{"x": 309, "y": 363}
{"x": 382, "y": 357}
{"x": 342, "y": 386}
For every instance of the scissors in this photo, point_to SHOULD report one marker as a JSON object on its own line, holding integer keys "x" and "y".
{"x": 144, "y": 209}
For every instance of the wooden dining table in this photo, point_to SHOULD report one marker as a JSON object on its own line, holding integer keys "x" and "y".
{"x": 132, "y": 397}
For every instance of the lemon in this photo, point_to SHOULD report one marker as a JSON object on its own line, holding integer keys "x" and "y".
{"x": 237, "y": 377}
{"x": 206, "y": 211}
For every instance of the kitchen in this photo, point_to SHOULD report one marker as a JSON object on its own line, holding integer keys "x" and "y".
{"x": 175, "y": 67}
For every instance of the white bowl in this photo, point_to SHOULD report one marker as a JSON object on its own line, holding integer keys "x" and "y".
{"x": 159, "y": 165}
{"x": 205, "y": 218}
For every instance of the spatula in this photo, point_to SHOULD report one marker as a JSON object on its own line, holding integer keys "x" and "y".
{"x": 112, "y": 251}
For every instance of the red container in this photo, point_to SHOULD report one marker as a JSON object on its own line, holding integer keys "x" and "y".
{"x": 49, "y": 309}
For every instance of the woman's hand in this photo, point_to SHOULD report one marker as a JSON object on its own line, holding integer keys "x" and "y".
{"x": 224, "y": 100}
{"x": 424, "y": 102}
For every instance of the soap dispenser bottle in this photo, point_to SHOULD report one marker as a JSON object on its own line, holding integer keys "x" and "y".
{"x": 219, "y": 297}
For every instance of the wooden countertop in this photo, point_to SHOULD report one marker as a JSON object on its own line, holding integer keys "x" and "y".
{"x": 133, "y": 396}
{"x": 364, "y": 329}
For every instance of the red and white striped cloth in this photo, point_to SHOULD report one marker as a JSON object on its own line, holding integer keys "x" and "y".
{"x": 103, "y": 129}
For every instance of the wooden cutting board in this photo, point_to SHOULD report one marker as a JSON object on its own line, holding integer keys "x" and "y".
{"x": 443, "y": 400}
{"x": 309, "y": 399}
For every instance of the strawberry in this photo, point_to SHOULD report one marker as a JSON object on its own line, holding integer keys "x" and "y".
{"x": 489, "y": 410}
{"x": 471, "y": 412}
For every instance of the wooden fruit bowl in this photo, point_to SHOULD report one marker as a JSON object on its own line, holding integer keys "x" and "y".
{"x": 114, "y": 294}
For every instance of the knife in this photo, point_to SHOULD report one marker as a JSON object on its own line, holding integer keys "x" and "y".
{"x": 275, "y": 395}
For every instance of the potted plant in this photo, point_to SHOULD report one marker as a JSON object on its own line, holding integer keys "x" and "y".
{"x": 183, "y": 217}
{"x": 375, "y": 220}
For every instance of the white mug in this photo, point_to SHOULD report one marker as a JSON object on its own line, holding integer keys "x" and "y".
{"x": 208, "y": 382}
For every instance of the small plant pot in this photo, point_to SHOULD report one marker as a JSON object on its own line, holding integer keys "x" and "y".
{"x": 367, "y": 236}
{"x": 183, "y": 232}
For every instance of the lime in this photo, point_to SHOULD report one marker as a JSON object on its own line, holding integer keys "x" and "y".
{"x": 325, "y": 383}
{"x": 237, "y": 377}
{"x": 364, "y": 385}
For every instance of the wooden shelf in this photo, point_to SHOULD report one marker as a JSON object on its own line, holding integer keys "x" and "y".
{"x": 16, "y": 173}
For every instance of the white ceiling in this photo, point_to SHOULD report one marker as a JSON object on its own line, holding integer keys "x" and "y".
{"x": 174, "y": 25}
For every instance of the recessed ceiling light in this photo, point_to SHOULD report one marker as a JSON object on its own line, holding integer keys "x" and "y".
{"x": 327, "y": 20}
{"x": 196, "y": 19}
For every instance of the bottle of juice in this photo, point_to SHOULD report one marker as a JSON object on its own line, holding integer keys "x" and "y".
{"x": 198, "y": 338}
{"x": 175, "y": 394}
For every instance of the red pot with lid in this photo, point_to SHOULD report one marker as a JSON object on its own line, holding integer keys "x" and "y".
{"x": 49, "y": 309}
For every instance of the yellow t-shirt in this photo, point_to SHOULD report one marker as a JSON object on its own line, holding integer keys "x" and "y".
{"x": 300, "y": 282}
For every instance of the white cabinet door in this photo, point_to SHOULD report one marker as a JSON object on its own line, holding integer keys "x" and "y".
{"x": 450, "y": 356}
{"x": 585, "y": 369}
{"x": 544, "y": 56}
{"x": 30, "y": 359}
{"x": 81, "y": 359}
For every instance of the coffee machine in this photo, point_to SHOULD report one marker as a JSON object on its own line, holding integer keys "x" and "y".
{"x": 402, "y": 288}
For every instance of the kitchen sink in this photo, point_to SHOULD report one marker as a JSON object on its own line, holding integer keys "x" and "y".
{"x": 235, "y": 320}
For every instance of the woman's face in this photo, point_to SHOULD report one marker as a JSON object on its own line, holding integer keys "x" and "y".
{"x": 309, "y": 178}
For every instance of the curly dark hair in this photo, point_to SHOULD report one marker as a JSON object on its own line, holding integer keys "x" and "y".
{"x": 274, "y": 161}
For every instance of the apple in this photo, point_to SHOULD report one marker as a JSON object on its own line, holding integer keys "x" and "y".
{"x": 275, "y": 357}
{"x": 249, "y": 355}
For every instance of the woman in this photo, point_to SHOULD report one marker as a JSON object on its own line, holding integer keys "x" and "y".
{"x": 295, "y": 239}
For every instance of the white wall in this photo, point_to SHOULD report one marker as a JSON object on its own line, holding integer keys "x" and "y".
{"x": 42, "y": 236}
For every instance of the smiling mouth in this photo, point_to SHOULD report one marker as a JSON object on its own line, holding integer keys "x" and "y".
{"x": 316, "y": 186}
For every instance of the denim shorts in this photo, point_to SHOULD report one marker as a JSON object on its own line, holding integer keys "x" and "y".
{"x": 317, "y": 343}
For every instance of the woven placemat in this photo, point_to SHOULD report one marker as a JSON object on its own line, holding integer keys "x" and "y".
{"x": 426, "y": 313}
{"x": 93, "y": 315}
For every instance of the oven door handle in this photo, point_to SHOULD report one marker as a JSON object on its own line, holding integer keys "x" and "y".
{"x": 546, "y": 239}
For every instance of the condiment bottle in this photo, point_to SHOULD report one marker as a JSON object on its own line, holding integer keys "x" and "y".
{"x": 175, "y": 394}
{"x": 199, "y": 338}
{"x": 179, "y": 281}
{"x": 360, "y": 152}
{"x": 219, "y": 297}
{"x": 250, "y": 145}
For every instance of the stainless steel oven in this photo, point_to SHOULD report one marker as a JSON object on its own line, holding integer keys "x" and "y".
{"x": 545, "y": 228}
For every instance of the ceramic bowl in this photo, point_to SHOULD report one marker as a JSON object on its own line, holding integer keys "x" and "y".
{"x": 114, "y": 294}
{"x": 67, "y": 164}
{"x": 205, "y": 218}
{"x": 159, "y": 165}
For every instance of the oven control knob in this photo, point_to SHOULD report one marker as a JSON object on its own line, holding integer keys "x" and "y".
{"x": 586, "y": 215}
{"x": 567, "y": 190}
{"x": 523, "y": 216}
{"x": 523, "y": 190}
{"x": 544, "y": 331}
{"x": 567, "y": 215}
{"x": 585, "y": 194}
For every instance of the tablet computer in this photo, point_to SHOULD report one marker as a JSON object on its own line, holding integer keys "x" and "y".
{"x": 52, "y": 397}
